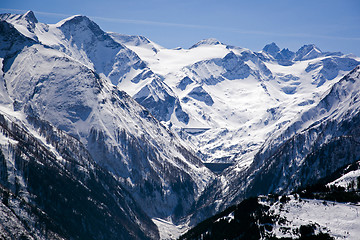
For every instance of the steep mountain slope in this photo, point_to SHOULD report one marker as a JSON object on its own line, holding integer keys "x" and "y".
{"x": 313, "y": 146}
{"x": 52, "y": 189}
{"x": 120, "y": 135}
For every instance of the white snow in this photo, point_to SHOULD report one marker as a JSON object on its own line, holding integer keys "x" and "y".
{"x": 340, "y": 220}
{"x": 347, "y": 179}
{"x": 168, "y": 230}
{"x": 167, "y": 61}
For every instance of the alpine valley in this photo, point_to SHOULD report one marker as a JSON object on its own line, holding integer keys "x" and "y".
{"x": 111, "y": 136}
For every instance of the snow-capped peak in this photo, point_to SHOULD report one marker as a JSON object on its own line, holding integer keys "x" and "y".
{"x": 307, "y": 52}
{"x": 271, "y": 49}
{"x": 131, "y": 40}
{"x": 209, "y": 41}
{"x": 76, "y": 19}
{"x": 30, "y": 17}
{"x": 84, "y": 31}
{"x": 309, "y": 47}
{"x": 24, "y": 23}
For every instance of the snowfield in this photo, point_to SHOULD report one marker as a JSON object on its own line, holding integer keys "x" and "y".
{"x": 245, "y": 96}
{"x": 339, "y": 220}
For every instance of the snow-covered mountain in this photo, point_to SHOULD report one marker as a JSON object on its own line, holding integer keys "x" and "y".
{"x": 141, "y": 119}
{"x": 83, "y": 40}
{"x": 231, "y": 98}
{"x": 57, "y": 82}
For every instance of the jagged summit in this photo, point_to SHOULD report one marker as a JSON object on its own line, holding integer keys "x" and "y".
{"x": 208, "y": 41}
{"x": 307, "y": 52}
{"x": 30, "y": 16}
{"x": 86, "y": 33}
{"x": 282, "y": 56}
{"x": 82, "y": 34}
{"x": 76, "y": 19}
{"x": 24, "y": 23}
{"x": 309, "y": 47}
{"x": 271, "y": 49}
{"x": 133, "y": 40}
{"x": 286, "y": 57}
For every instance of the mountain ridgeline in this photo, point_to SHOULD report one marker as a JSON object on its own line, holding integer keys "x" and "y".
{"x": 107, "y": 136}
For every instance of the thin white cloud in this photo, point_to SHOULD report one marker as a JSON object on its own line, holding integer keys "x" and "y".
{"x": 36, "y": 12}
{"x": 145, "y": 22}
{"x": 180, "y": 25}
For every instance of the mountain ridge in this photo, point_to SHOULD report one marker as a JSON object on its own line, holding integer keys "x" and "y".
{"x": 233, "y": 64}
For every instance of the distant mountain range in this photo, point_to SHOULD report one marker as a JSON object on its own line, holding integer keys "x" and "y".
{"x": 111, "y": 136}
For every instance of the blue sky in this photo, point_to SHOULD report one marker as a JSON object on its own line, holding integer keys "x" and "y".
{"x": 333, "y": 25}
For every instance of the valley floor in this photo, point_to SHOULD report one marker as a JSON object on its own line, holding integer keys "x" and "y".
{"x": 168, "y": 230}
